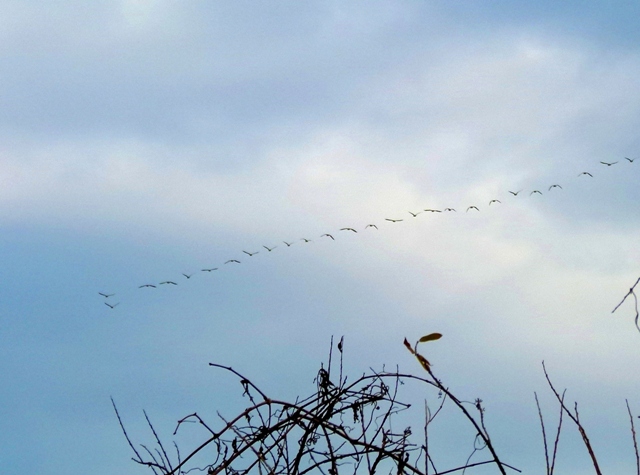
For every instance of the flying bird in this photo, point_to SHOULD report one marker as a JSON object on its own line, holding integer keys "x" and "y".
{"x": 555, "y": 186}
{"x": 631, "y": 160}
{"x": 188, "y": 276}
{"x": 269, "y": 248}
{"x": 514, "y": 193}
{"x": 608, "y": 164}
{"x": 112, "y": 306}
{"x": 415, "y": 214}
{"x": 106, "y": 296}
{"x": 209, "y": 270}
{"x": 348, "y": 229}
{"x": 586, "y": 173}
{"x": 168, "y": 282}
{"x": 251, "y": 253}
{"x": 371, "y": 226}
{"x": 433, "y": 210}
{"x": 535, "y": 191}
{"x": 233, "y": 260}
{"x": 147, "y": 285}
{"x": 289, "y": 244}
{"x": 306, "y": 240}
{"x": 329, "y": 235}
{"x": 494, "y": 201}
{"x": 472, "y": 207}
{"x": 450, "y": 209}
{"x": 393, "y": 220}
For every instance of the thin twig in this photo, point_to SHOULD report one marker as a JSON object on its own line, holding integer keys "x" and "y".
{"x": 576, "y": 419}
{"x": 555, "y": 444}
{"x": 635, "y": 297}
{"x": 166, "y": 457}
{"x": 544, "y": 435}
{"x": 125, "y": 432}
{"x": 633, "y": 435}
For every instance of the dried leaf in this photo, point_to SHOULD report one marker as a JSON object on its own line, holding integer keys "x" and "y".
{"x": 408, "y": 345}
{"x": 430, "y": 337}
{"x": 423, "y": 361}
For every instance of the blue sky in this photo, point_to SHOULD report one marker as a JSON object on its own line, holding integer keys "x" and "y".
{"x": 140, "y": 140}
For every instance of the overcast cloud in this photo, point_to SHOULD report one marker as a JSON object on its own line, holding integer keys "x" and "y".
{"x": 143, "y": 139}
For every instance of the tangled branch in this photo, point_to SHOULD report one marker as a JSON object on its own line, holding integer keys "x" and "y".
{"x": 342, "y": 427}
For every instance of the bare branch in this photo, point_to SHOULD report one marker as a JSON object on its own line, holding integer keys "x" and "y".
{"x": 633, "y": 436}
{"x": 635, "y": 297}
{"x": 576, "y": 419}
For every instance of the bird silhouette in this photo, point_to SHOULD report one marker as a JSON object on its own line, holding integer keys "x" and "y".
{"x": 371, "y": 226}
{"x": 348, "y": 229}
{"x": 328, "y": 235}
{"x": 415, "y": 214}
{"x": 586, "y": 173}
{"x": 106, "y": 296}
{"x": 428, "y": 210}
{"x": 494, "y": 201}
{"x": 631, "y": 160}
{"x": 514, "y": 193}
{"x": 555, "y": 186}
{"x": 147, "y": 285}
{"x": 306, "y": 240}
{"x": 188, "y": 276}
{"x": 393, "y": 220}
{"x": 269, "y": 248}
{"x": 168, "y": 282}
{"x": 209, "y": 270}
{"x": 289, "y": 244}
{"x": 112, "y": 306}
{"x": 608, "y": 163}
{"x": 535, "y": 191}
{"x": 472, "y": 207}
{"x": 450, "y": 209}
{"x": 233, "y": 260}
{"x": 251, "y": 253}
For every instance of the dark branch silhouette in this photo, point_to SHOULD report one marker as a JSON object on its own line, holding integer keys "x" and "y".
{"x": 341, "y": 426}
{"x": 635, "y": 298}
{"x": 575, "y": 417}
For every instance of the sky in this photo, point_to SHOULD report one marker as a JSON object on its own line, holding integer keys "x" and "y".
{"x": 141, "y": 140}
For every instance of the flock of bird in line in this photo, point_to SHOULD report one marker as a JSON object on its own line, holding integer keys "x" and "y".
{"x": 330, "y": 236}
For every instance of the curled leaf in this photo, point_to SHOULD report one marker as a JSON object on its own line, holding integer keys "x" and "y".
{"x": 408, "y": 345}
{"x": 430, "y": 337}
